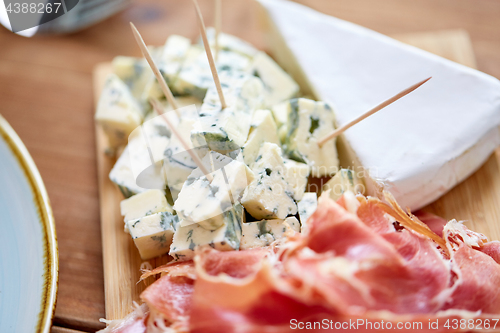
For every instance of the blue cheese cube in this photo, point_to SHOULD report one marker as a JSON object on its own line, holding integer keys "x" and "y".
{"x": 135, "y": 72}
{"x": 278, "y": 85}
{"x": 263, "y": 233}
{"x": 308, "y": 122}
{"x": 269, "y": 196}
{"x": 262, "y": 129}
{"x": 307, "y": 206}
{"x": 195, "y": 76}
{"x": 135, "y": 159}
{"x": 230, "y": 43}
{"x": 296, "y": 174}
{"x": 225, "y": 238}
{"x": 280, "y": 113}
{"x": 153, "y": 234}
{"x": 123, "y": 177}
{"x": 227, "y": 129}
{"x": 343, "y": 181}
{"x": 169, "y": 63}
{"x": 146, "y": 203}
{"x": 117, "y": 112}
{"x": 178, "y": 163}
{"x": 203, "y": 202}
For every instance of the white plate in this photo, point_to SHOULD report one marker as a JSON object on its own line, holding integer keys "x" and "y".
{"x": 28, "y": 245}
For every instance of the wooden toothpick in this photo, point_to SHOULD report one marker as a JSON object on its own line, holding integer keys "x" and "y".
{"x": 218, "y": 26}
{"x": 379, "y": 107}
{"x": 154, "y": 68}
{"x": 157, "y": 107}
{"x": 209, "y": 55}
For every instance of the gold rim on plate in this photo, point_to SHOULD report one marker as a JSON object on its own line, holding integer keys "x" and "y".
{"x": 51, "y": 258}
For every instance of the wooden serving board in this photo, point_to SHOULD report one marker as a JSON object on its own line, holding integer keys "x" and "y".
{"x": 476, "y": 200}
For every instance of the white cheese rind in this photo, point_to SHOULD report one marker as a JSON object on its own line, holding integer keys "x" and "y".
{"x": 421, "y": 146}
{"x": 263, "y": 233}
{"x": 205, "y": 203}
{"x": 308, "y": 122}
{"x": 145, "y": 203}
{"x": 344, "y": 180}
{"x": 225, "y": 238}
{"x": 153, "y": 234}
{"x": 307, "y": 206}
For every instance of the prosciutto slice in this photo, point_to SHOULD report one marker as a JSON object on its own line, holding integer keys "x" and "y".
{"x": 359, "y": 260}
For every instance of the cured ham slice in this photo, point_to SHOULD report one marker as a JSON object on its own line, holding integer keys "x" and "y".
{"x": 183, "y": 268}
{"x": 170, "y": 296}
{"x": 435, "y": 223}
{"x": 492, "y": 249}
{"x": 359, "y": 260}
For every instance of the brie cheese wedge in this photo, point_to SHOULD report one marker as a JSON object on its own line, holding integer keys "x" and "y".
{"x": 417, "y": 148}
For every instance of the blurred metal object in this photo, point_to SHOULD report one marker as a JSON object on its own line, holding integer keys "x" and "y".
{"x": 76, "y": 15}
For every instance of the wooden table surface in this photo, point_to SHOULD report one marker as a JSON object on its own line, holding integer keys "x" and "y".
{"x": 46, "y": 95}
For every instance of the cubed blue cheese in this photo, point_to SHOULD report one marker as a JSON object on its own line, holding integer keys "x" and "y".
{"x": 136, "y": 157}
{"x": 280, "y": 113}
{"x": 153, "y": 234}
{"x": 169, "y": 63}
{"x": 230, "y": 43}
{"x": 296, "y": 174}
{"x": 117, "y": 112}
{"x": 278, "y": 85}
{"x": 307, "y": 206}
{"x": 178, "y": 163}
{"x": 227, "y": 129}
{"x": 262, "y": 129}
{"x": 135, "y": 72}
{"x": 195, "y": 76}
{"x": 225, "y": 238}
{"x": 203, "y": 202}
{"x": 123, "y": 177}
{"x": 308, "y": 122}
{"x": 269, "y": 196}
{"x": 143, "y": 204}
{"x": 344, "y": 180}
{"x": 263, "y": 233}
{"x": 174, "y": 54}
